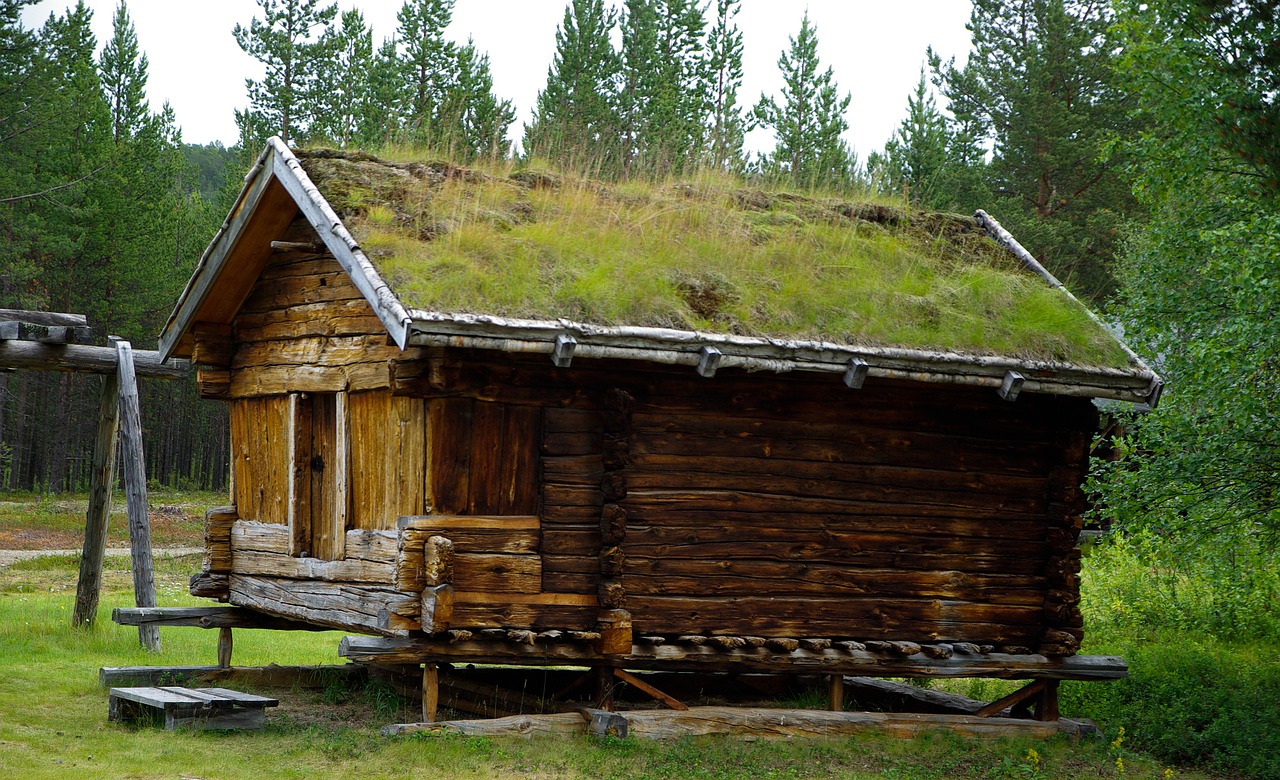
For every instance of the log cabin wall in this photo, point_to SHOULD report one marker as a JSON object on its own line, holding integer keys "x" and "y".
{"x": 793, "y": 506}
{"x": 303, "y": 342}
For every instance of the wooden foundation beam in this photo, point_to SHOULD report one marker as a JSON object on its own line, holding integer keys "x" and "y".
{"x": 767, "y": 723}
{"x": 705, "y": 657}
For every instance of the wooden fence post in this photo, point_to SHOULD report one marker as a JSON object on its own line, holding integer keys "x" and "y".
{"x": 101, "y": 481}
{"x": 135, "y": 488}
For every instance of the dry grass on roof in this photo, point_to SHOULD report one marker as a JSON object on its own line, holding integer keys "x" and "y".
{"x": 707, "y": 254}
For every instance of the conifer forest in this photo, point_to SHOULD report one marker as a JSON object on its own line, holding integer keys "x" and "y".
{"x": 1133, "y": 146}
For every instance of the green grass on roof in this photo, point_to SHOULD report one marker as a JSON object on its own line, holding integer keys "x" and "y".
{"x": 709, "y": 254}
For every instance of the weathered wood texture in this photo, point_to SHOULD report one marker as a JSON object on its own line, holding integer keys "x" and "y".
{"x": 743, "y": 721}
{"x": 482, "y": 458}
{"x": 260, "y": 458}
{"x": 388, "y": 458}
{"x": 708, "y": 657}
{"x": 305, "y": 327}
{"x": 135, "y": 490}
{"x": 273, "y": 676}
{"x": 779, "y": 507}
{"x": 101, "y": 483}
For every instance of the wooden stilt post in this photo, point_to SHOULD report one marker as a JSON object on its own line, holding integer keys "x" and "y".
{"x": 224, "y": 647}
{"x": 835, "y": 702}
{"x": 430, "y": 692}
{"x": 1047, "y": 706}
{"x": 101, "y": 481}
{"x": 604, "y": 688}
{"x": 135, "y": 488}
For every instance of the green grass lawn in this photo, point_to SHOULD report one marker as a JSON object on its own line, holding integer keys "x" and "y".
{"x": 53, "y": 717}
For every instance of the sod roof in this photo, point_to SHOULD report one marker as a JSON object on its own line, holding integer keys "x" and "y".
{"x": 710, "y": 255}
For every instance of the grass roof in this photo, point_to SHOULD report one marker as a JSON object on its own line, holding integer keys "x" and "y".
{"x": 708, "y": 254}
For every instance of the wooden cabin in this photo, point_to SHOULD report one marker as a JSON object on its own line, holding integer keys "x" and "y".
{"x": 419, "y": 456}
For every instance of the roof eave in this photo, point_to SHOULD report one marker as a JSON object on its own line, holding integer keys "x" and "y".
{"x": 564, "y": 340}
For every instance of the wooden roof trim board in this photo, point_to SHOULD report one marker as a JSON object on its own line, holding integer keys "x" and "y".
{"x": 562, "y": 340}
{"x": 277, "y": 163}
{"x": 346, "y": 250}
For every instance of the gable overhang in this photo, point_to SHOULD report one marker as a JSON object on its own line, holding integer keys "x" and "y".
{"x": 276, "y": 190}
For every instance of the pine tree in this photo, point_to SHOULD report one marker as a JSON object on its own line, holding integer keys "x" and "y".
{"x": 1040, "y": 88}
{"x": 918, "y": 160}
{"x": 576, "y": 115}
{"x": 474, "y": 117}
{"x": 343, "y": 79}
{"x": 124, "y": 76}
{"x": 428, "y": 63}
{"x": 726, "y": 127}
{"x": 382, "y": 115}
{"x": 810, "y": 121}
{"x": 285, "y": 100}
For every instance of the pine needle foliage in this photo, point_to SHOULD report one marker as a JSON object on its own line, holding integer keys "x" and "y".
{"x": 707, "y": 253}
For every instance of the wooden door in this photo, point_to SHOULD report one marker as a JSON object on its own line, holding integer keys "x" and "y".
{"x": 320, "y": 474}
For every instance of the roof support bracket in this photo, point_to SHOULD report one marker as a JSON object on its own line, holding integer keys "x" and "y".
{"x": 708, "y": 361}
{"x": 562, "y": 355}
{"x": 856, "y": 373}
{"x": 1011, "y": 386}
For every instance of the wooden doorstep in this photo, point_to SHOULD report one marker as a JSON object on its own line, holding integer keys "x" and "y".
{"x": 708, "y": 657}
{"x": 201, "y": 708}
{"x": 753, "y": 722}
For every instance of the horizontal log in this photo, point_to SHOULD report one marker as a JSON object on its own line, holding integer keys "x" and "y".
{"x": 750, "y": 501}
{"x": 43, "y": 317}
{"x": 294, "y": 290}
{"x": 650, "y": 525}
{"x": 327, "y": 319}
{"x": 45, "y": 334}
{"x": 931, "y": 620}
{"x": 336, "y": 605}
{"x": 738, "y": 577}
{"x": 270, "y": 564}
{"x": 273, "y": 676}
{"x": 945, "y": 453}
{"x": 586, "y": 470}
{"x": 88, "y": 359}
{"x": 657, "y": 471}
{"x": 913, "y": 554}
{"x": 448, "y": 524}
{"x": 206, "y": 617}
{"x": 677, "y": 657}
{"x": 921, "y": 489}
{"x": 318, "y": 351}
{"x": 575, "y": 540}
{"x": 279, "y": 380}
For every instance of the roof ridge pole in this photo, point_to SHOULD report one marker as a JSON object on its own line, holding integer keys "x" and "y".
{"x": 1005, "y": 238}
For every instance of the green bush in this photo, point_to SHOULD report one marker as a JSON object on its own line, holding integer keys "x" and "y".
{"x": 1198, "y": 626}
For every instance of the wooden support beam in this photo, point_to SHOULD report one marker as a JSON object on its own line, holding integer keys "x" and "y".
{"x": 1011, "y": 385}
{"x": 44, "y": 334}
{"x": 135, "y": 489}
{"x": 207, "y": 617}
{"x": 43, "y": 317}
{"x": 224, "y": 647}
{"x": 835, "y": 699}
{"x": 1012, "y": 700}
{"x": 708, "y": 361}
{"x": 1047, "y": 706}
{"x": 430, "y": 692}
{"x": 856, "y": 373}
{"x": 641, "y": 685}
{"x": 101, "y": 480}
{"x": 562, "y": 354}
{"x": 308, "y": 677}
{"x": 604, "y": 688}
{"x": 684, "y": 657}
{"x": 87, "y": 359}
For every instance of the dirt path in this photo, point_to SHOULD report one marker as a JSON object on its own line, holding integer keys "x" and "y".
{"x": 8, "y": 557}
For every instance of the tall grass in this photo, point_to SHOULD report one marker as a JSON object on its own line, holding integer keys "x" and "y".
{"x": 708, "y": 252}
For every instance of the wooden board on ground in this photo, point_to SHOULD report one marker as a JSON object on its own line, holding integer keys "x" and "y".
{"x": 198, "y": 708}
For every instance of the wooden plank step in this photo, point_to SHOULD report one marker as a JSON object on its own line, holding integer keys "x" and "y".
{"x": 200, "y": 708}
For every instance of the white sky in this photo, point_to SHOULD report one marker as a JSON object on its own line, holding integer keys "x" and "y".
{"x": 876, "y": 48}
